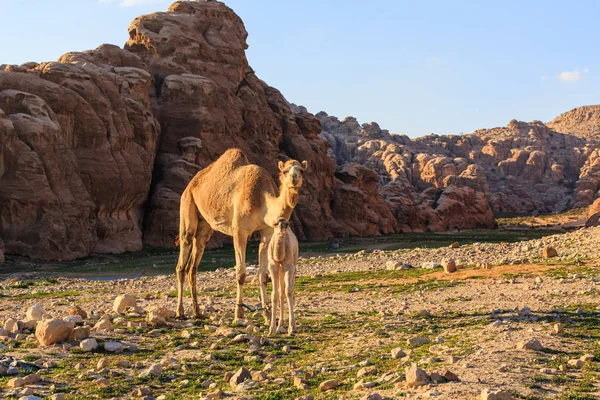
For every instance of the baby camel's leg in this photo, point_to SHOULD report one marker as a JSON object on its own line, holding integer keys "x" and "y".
{"x": 290, "y": 280}
{"x": 281, "y": 297}
{"x": 274, "y": 271}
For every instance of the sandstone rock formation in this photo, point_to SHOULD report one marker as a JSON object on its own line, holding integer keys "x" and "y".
{"x": 78, "y": 143}
{"x": 96, "y": 148}
{"x": 448, "y": 181}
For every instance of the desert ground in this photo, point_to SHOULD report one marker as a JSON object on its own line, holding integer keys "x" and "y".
{"x": 509, "y": 323}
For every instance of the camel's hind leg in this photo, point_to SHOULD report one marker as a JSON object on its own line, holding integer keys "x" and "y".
{"x": 203, "y": 234}
{"x": 274, "y": 272}
{"x": 188, "y": 223}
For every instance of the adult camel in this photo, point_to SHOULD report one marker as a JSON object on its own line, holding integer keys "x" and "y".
{"x": 236, "y": 198}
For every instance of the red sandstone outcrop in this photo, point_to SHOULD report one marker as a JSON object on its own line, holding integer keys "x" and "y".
{"x": 523, "y": 168}
{"x": 96, "y": 148}
{"x": 79, "y": 144}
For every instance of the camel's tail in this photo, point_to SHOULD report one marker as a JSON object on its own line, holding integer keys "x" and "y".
{"x": 177, "y": 241}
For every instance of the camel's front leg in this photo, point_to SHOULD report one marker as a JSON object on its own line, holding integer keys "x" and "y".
{"x": 290, "y": 280}
{"x": 274, "y": 271}
{"x": 281, "y": 298}
{"x": 263, "y": 261}
{"x": 240, "y": 240}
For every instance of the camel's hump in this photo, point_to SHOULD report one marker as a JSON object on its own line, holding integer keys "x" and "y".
{"x": 233, "y": 158}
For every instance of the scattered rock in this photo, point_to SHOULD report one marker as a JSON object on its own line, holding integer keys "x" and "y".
{"x": 123, "y": 302}
{"x": 415, "y": 376}
{"x": 76, "y": 310}
{"x": 329, "y": 385}
{"x": 35, "y": 312}
{"x": 50, "y": 331}
{"x": 576, "y": 363}
{"x": 80, "y": 333}
{"x": 398, "y": 353}
{"x": 449, "y": 266}
{"x": 240, "y": 376}
{"x": 113, "y": 347}
{"x": 418, "y": 341}
{"x": 88, "y": 345}
{"x": 532, "y": 344}
{"x": 488, "y": 394}
{"x": 558, "y": 329}
{"x": 549, "y": 252}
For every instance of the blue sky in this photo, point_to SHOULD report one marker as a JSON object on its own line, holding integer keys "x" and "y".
{"x": 414, "y": 67}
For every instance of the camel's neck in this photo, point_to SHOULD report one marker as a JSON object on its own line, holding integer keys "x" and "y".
{"x": 279, "y": 247}
{"x": 282, "y": 206}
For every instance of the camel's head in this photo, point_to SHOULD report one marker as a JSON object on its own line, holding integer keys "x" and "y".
{"x": 290, "y": 173}
{"x": 281, "y": 227}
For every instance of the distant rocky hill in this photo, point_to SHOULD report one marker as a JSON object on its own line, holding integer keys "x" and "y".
{"x": 524, "y": 168}
{"x": 96, "y": 148}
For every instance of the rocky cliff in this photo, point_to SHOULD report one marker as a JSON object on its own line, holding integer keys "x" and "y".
{"x": 523, "y": 168}
{"x": 96, "y": 148}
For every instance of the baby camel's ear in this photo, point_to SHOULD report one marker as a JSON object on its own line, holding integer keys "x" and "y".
{"x": 304, "y": 165}
{"x": 281, "y": 166}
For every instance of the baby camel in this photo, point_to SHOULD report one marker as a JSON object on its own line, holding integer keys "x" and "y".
{"x": 283, "y": 257}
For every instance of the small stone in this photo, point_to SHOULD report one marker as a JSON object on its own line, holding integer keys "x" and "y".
{"x": 57, "y": 396}
{"x": 154, "y": 370}
{"x": 259, "y": 376}
{"x": 101, "y": 325}
{"x": 15, "y": 383}
{"x": 114, "y": 347}
{"x": 454, "y": 245}
{"x": 449, "y": 266}
{"x": 80, "y": 333}
{"x": 103, "y": 363}
{"x": 417, "y": 341}
{"x": 123, "y": 302}
{"x": 415, "y": 376}
{"x": 558, "y": 329}
{"x": 143, "y": 391}
{"x": 286, "y": 349}
{"x": 538, "y": 280}
{"x": 398, "y": 353}
{"x": 437, "y": 378}
{"x": 329, "y": 385}
{"x": 587, "y": 357}
{"x": 78, "y": 311}
{"x": 240, "y": 376}
{"x": 450, "y": 376}
{"x": 576, "y": 363}
{"x": 307, "y": 397}
{"x": 300, "y": 383}
{"x": 488, "y": 394}
{"x": 88, "y": 345}
{"x": 372, "y": 396}
{"x": 36, "y": 312}
{"x": 366, "y": 371}
{"x": 549, "y": 252}
{"x": 532, "y": 344}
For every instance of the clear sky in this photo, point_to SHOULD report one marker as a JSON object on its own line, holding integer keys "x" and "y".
{"x": 415, "y": 67}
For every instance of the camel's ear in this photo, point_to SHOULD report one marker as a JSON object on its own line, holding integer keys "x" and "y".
{"x": 281, "y": 166}
{"x": 304, "y": 165}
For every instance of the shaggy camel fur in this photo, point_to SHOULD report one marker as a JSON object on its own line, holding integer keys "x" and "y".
{"x": 283, "y": 258}
{"x": 236, "y": 198}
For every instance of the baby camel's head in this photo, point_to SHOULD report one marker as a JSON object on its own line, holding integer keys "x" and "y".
{"x": 281, "y": 227}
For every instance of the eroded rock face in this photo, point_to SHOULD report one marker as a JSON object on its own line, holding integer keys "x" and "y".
{"x": 208, "y": 99}
{"x": 523, "y": 168}
{"x": 96, "y": 148}
{"x": 79, "y": 143}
